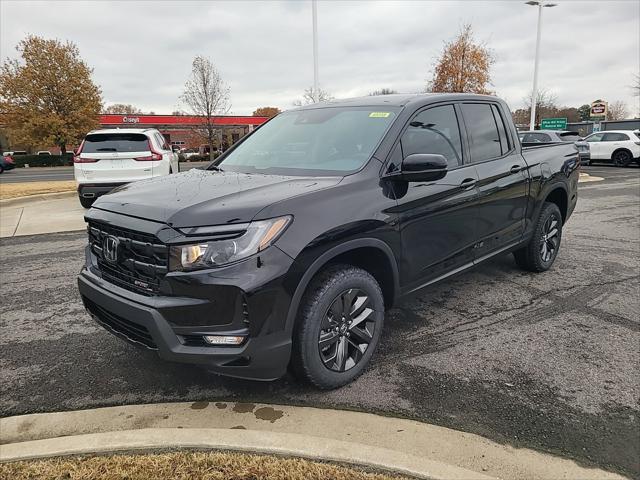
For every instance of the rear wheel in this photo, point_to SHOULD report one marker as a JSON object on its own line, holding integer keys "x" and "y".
{"x": 86, "y": 202}
{"x": 341, "y": 319}
{"x": 621, "y": 158}
{"x": 541, "y": 251}
{"x": 1, "y": 169}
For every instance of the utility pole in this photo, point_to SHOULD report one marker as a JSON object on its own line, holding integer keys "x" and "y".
{"x": 314, "y": 14}
{"x": 534, "y": 95}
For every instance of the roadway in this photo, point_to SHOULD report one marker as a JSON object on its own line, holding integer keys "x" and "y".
{"x": 50, "y": 174}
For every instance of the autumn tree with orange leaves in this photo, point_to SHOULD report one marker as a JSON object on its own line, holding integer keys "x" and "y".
{"x": 463, "y": 67}
{"x": 47, "y": 96}
{"x": 266, "y": 112}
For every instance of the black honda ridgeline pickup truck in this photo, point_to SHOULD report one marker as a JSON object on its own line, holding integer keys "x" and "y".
{"x": 287, "y": 250}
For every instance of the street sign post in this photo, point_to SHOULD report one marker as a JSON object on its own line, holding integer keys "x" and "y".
{"x": 553, "y": 124}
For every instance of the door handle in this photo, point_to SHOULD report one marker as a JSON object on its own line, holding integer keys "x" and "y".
{"x": 515, "y": 169}
{"x": 468, "y": 183}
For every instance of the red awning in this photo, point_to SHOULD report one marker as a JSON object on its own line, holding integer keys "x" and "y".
{"x": 170, "y": 120}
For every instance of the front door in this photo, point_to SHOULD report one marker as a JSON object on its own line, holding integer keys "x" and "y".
{"x": 503, "y": 185}
{"x": 596, "y": 147}
{"x": 436, "y": 219}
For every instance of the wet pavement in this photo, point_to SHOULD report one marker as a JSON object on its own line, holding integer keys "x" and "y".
{"x": 548, "y": 361}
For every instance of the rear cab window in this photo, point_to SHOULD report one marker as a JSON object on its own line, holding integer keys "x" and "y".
{"x": 115, "y": 142}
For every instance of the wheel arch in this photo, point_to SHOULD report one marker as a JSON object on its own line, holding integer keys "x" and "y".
{"x": 558, "y": 194}
{"x": 371, "y": 254}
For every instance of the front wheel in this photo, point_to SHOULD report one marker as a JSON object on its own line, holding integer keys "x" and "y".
{"x": 541, "y": 251}
{"x": 621, "y": 158}
{"x": 341, "y": 319}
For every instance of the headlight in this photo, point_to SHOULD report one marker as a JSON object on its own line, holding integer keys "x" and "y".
{"x": 258, "y": 236}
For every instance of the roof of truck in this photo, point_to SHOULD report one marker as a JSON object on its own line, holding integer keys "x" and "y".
{"x": 399, "y": 100}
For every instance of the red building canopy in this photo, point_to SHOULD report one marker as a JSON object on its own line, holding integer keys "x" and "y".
{"x": 177, "y": 120}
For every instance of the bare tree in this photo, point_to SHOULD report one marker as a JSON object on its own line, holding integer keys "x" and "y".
{"x": 382, "y": 91}
{"x": 123, "y": 109}
{"x": 546, "y": 105}
{"x": 308, "y": 97}
{"x": 617, "y": 111}
{"x": 206, "y": 94}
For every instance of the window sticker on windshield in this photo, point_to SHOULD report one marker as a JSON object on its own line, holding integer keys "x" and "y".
{"x": 379, "y": 114}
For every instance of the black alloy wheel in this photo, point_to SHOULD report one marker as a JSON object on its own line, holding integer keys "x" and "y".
{"x": 550, "y": 239}
{"x": 340, "y": 322}
{"x": 347, "y": 330}
{"x": 542, "y": 249}
{"x": 621, "y": 158}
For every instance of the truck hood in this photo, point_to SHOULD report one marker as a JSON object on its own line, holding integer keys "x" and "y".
{"x": 206, "y": 197}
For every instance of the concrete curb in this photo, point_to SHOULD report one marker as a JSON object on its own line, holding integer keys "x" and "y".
{"x": 585, "y": 177}
{"x": 11, "y": 202}
{"x": 393, "y": 444}
{"x": 248, "y": 441}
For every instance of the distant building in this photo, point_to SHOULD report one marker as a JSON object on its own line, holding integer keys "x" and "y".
{"x": 179, "y": 130}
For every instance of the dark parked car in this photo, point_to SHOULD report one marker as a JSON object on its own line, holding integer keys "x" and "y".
{"x": 6, "y": 163}
{"x": 537, "y": 137}
{"x": 288, "y": 250}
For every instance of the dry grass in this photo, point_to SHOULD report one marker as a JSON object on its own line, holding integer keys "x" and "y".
{"x": 183, "y": 466}
{"x": 14, "y": 190}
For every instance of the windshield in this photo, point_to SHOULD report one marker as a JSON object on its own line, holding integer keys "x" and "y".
{"x": 323, "y": 141}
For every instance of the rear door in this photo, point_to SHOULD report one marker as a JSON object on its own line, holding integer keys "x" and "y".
{"x": 115, "y": 157}
{"x": 503, "y": 184}
{"x": 436, "y": 219}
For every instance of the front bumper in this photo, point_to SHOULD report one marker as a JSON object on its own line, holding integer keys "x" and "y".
{"x": 228, "y": 302}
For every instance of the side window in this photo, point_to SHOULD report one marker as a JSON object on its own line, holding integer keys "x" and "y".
{"x": 615, "y": 137}
{"x": 596, "y": 137}
{"x": 505, "y": 143}
{"x": 483, "y": 131}
{"x": 161, "y": 141}
{"x": 434, "y": 131}
{"x": 542, "y": 137}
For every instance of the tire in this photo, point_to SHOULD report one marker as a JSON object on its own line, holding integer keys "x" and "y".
{"x": 86, "y": 202}
{"x": 1, "y": 169}
{"x": 621, "y": 158}
{"x": 541, "y": 251}
{"x": 345, "y": 352}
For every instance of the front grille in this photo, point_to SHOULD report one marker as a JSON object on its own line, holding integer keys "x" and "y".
{"x": 133, "y": 332}
{"x": 141, "y": 263}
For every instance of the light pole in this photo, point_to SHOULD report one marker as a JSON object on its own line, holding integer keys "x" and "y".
{"x": 534, "y": 96}
{"x": 314, "y": 14}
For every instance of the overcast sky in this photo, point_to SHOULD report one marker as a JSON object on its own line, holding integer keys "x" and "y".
{"x": 141, "y": 52}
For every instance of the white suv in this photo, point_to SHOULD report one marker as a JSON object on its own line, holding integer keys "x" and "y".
{"x": 108, "y": 158}
{"x": 620, "y": 146}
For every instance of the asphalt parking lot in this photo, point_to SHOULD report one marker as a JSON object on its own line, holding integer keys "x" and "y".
{"x": 547, "y": 361}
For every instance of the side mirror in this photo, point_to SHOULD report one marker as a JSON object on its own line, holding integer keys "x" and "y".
{"x": 423, "y": 167}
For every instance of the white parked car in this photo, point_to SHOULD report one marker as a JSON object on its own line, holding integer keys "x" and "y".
{"x": 108, "y": 158}
{"x": 618, "y": 146}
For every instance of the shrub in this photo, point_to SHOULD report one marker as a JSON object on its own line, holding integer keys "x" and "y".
{"x": 43, "y": 160}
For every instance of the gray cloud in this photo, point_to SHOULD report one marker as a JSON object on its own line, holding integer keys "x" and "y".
{"x": 141, "y": 52}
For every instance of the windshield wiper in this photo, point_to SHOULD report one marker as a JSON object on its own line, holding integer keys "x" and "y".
{"x": 215, "y": 167}
{"x": 106, "y": 150}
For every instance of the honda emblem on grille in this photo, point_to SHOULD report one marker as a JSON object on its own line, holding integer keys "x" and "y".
{"x": 110, "y": 247}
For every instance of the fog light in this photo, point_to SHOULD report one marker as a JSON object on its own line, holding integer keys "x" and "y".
{"x": 223, "y": 339}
